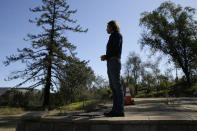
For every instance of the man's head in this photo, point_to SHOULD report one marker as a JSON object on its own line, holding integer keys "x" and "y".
{"x": 112, "y": 26}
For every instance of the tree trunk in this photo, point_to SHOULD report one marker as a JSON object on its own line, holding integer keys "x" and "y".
{"x": 187, "y": 75}
{"x": 188, "y": 78}
{"x": 136, "y": 89}
{"x": 46, "y": 102}
{"x": 47, "y": 87}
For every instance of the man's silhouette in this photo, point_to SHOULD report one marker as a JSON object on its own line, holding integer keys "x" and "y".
{"x": 113, "y": 56}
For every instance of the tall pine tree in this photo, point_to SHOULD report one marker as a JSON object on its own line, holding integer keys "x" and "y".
{"x": 49, "y": 50}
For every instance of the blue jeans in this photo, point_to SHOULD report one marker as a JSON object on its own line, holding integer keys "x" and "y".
{"x": 113, "y": 71}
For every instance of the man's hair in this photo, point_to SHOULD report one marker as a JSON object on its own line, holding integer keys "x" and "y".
{"x": 114, "y": 25}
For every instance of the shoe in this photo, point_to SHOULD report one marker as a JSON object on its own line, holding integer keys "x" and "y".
{"x": 107, "y": 113}
{"x": 113, "y": 114}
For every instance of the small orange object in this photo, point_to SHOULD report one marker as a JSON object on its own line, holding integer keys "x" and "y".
{"x": 128, "y": 100}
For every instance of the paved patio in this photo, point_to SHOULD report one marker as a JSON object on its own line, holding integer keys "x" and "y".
{"x": 148, "y": 114}
{"x": 149, "y": 109}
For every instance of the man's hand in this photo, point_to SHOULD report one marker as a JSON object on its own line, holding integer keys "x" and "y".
{"x": 103, "y": 57}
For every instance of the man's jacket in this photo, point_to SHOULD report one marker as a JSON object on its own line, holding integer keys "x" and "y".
{"x": 114, "y": 46}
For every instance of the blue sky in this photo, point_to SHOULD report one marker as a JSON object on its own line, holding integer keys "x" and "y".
{"x": 92, "y": 14}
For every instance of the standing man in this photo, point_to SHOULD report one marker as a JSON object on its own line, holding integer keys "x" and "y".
{"x": 113, "y": 56}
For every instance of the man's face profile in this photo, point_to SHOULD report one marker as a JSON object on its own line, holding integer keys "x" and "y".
{"x": 108, "y": 29}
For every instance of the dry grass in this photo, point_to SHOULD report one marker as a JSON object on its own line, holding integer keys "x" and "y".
{"x": 7, "y": 129}
{"x": 11, "y": 111}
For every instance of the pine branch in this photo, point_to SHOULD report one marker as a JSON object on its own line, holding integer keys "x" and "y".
{"x": 37, "y": 84}
{"x": 39, "y": 36}
{"x": 74, "y": 29}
